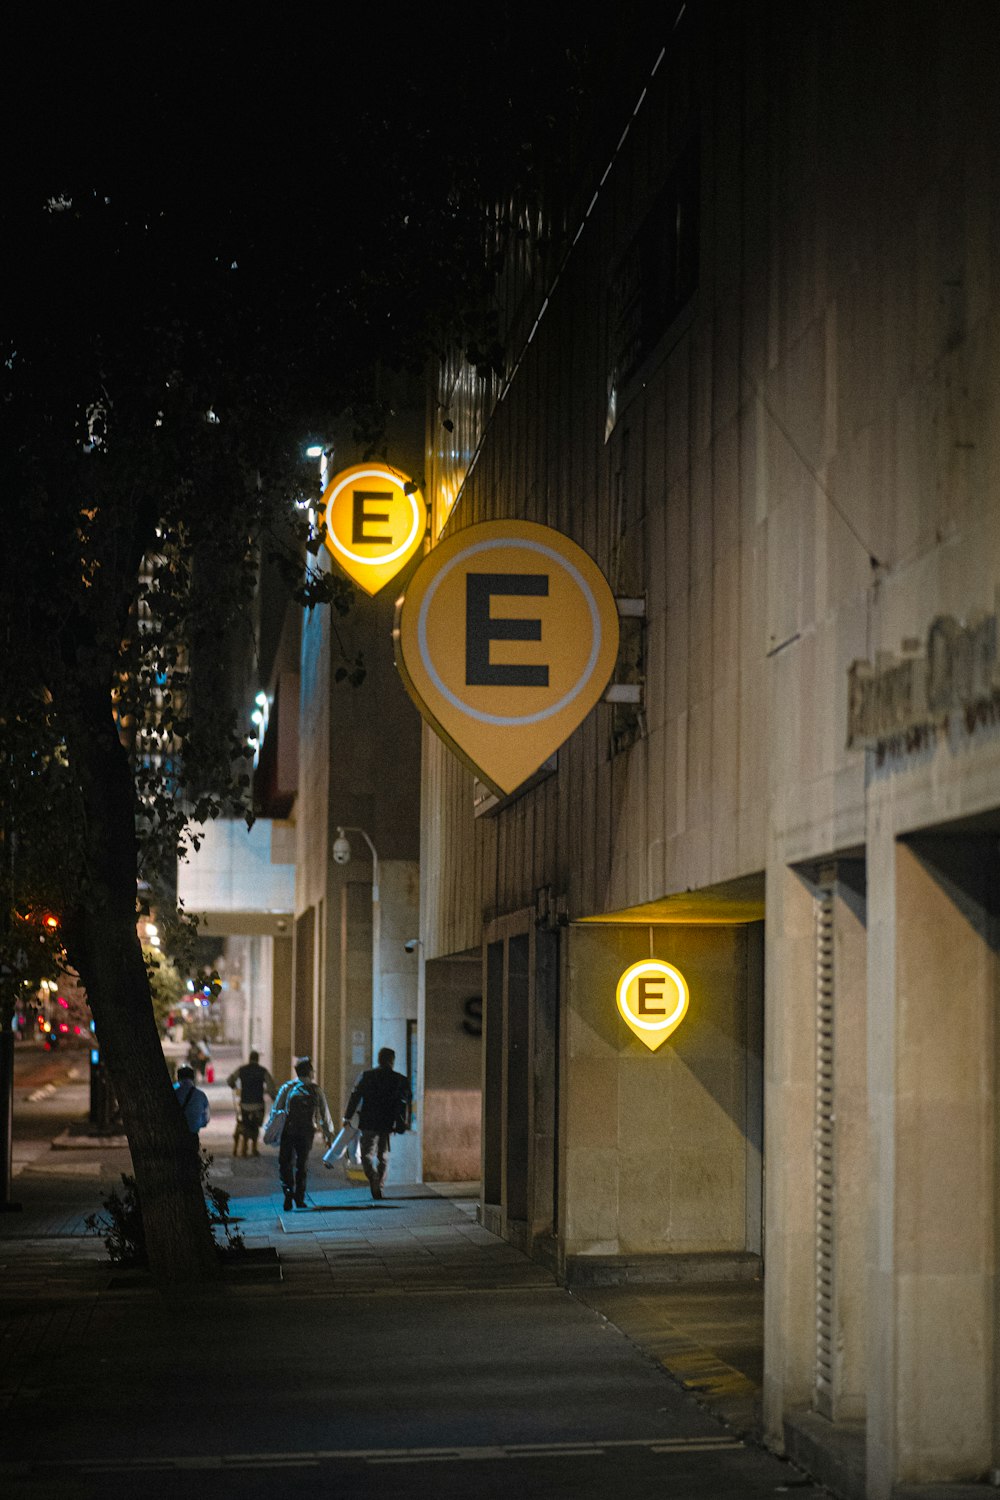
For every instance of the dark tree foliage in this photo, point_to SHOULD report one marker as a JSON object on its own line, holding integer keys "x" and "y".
{"x": 214, "y": 239}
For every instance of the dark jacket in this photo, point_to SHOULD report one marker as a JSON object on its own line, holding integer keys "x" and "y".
{"x": 253, "y": 1081}
{"x": 383, "y": 1096}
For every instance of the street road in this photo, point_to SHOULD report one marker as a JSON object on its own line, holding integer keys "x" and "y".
{"x": 406, "y": 1351}
{"x": 440, "y": 1395}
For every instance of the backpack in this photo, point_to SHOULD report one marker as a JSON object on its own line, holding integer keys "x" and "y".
{"x": 301, "y": 1106}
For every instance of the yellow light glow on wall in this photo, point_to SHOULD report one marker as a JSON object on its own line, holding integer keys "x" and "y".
{"x": 653, "y": 1000}
{"x": 447, "y": 495}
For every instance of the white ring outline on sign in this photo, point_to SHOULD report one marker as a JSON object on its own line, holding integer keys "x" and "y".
{"x": 507, "y": 721}
{"x": 665, "y": 971}
{"x": 387, "y": 557}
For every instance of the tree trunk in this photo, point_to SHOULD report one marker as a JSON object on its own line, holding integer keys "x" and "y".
{"x": 164, "y": 1152}
{"x": 6, "y": 1111}
{"x": 103, "y": 942}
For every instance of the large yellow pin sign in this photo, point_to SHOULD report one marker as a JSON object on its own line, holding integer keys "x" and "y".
{"x": 375, "y": 521}
{"x": 506, "y": 639}
{"x": 653, "y": 1000}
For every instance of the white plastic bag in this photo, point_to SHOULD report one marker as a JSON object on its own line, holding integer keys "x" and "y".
{"x": 347, "y": 1142}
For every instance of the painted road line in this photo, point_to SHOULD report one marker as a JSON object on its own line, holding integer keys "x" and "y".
{"x": 439, "y": 1458}
{"x": 493, "y": 1452}
{"x": 213, "y": 1461}
{"x": 710, "y": 1445}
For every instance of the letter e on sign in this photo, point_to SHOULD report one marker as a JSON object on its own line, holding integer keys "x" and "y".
{"x": 373, "y": 526}
{"x": 653, "y": 1000}
{"x": 506, "y": 638}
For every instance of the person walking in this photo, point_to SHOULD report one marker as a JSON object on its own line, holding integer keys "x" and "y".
{"x": 198, "y": 1058}
{"x": 193, "y": 1101}
{"x": 381, "y": 1098}
{"x": 306, "y": 1111}
{"x": 253, "y": 1081}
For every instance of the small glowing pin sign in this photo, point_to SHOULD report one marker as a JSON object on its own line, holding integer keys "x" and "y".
{"x": 653, "y": 1000}
{"x": 375, "y": 522}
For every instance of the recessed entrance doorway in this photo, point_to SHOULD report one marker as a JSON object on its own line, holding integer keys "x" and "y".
{"x": 520, "y": 1083}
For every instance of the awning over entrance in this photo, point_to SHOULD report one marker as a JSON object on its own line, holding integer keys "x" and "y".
{"x": 241, "y": 881}
{"x": 725, "y": 905}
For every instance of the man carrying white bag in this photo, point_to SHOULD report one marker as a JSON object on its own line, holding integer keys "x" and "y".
{"x": 345, "y": 1147}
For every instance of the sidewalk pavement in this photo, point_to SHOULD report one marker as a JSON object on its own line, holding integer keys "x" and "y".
{"x": 422, "y": 1238}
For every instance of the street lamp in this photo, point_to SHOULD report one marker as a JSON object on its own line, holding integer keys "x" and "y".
{"x": 324, "y": 452}
{"x": 342, "y": 856}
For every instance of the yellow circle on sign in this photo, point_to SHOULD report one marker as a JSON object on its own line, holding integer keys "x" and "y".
{"x": 653, "y": 1000}
{"x": 373, "y": 526}
{"x": 506, "y": 638}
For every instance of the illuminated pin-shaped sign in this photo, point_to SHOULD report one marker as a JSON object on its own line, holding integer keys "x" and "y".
{"x": 375, "y": 521}
{"x": 653, "y": 1000}
{"x": 506, "y": 638}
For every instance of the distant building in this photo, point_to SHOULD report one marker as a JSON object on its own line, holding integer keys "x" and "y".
{"x": 355, "y": 983}
{"x": 315, "y": 947}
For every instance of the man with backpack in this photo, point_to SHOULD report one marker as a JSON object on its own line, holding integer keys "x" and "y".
{"x": 384, "y": 1098}
{"x": 306, "y": 1111}
{"x": 193, "y": 1101}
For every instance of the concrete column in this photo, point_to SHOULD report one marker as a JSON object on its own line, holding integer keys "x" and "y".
{"x": 354, "y": 961}
{"x": 304, "y": 998}
{"x": 544, "y": 1085}
{"x": 330, "y": 1022}
{"x": 789, "y": 1171}
{"x": 850, "y": 978}
{"x": 317, "y": 1051}
{"x": 394, "y": 1003}
{"x": 258, "y": 1027}
{"x": 932, "y": 1079}
{"x": 881, "y": 1036}
{"x": 753, "y": 937}
{"x": 280, "y": 1060}
{"x": 491, "y": 1129}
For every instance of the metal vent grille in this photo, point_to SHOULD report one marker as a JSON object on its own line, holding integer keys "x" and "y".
{"x": 824, "y": 1137}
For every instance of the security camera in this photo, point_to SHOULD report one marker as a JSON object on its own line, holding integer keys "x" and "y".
{"x": 341, "y": 849}
{"x": 411, "y": 945}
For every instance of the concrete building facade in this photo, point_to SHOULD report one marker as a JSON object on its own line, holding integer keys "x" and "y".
{"x": 356, "y": 983}
{"x": 758, "y": 383}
